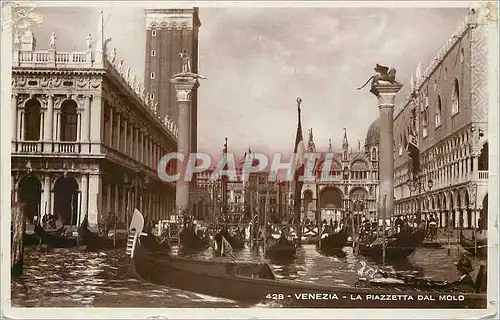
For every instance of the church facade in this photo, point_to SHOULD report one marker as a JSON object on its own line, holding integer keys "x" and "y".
{"x": 354, "y": 189}
{"x": 86, "y": 137}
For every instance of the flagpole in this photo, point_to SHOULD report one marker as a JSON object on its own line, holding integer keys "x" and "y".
{"x": 298, "y": 184}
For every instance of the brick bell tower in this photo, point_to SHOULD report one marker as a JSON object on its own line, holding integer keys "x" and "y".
{"x": 168, "y": 33}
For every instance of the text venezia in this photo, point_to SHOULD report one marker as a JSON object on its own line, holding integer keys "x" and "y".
{"x": 378, "y": 297}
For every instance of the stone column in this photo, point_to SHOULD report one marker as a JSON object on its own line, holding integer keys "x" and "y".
{"x": 14, "y": 117}
{"x": 95, "y": 128}
{"x": 46, "y": 196}
{"x": 110, "y": 128}
{"x": 85, "y": 194}
{"x": 466, "y": 218}
{"x": 386, "y": 95}
{"x": 125, "y": 136}
{"x": 184, "y": 84}
{"x": 94, "y": 191}
{"x": 86, "y": 121}
{"x": 118, "y": 131}
{"x": 457, "y": 218}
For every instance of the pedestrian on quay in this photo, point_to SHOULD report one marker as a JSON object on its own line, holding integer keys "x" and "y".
{"x": 432, "y": 228}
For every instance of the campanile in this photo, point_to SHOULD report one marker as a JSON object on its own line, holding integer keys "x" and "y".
{"x": 168, "y": 33}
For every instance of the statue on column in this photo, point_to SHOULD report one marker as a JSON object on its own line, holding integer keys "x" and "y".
{"x": 128, "y": 74}
{"x": 89, "y": 41}
{"x": 53, "y": 39}
{"x": 185, "y": 62}
{"x": 113, "y": 56}
{"x": 384, "y": 74}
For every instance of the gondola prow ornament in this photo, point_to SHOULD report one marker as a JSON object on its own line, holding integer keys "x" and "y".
{"x": 384, "y": 74}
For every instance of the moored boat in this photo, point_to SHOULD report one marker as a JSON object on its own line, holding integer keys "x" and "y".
{"x": 91, "y": 240}
{"x": 333, "y": 243}
{"x": 477, "y": 246}
{"x": 283, "y": 249}
{"x": 398, "y": 246}
{"x": 236, "y": 243}
{"x": 54, "y": 240}
{"x": 190, "y": 241}
{"x": 251, "y": 283}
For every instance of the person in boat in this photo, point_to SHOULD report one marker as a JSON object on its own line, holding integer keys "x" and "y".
{"x": 464, "y": 268}
{"x": 398, "y": 223}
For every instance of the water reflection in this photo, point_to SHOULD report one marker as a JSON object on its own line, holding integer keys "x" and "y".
{"x": 75, "y": 278}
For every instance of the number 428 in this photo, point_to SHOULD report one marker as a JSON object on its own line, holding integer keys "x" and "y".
{"x": 275, "y": 296}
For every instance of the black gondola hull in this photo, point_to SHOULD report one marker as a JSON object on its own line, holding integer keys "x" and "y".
{"x": 216, "y": 278}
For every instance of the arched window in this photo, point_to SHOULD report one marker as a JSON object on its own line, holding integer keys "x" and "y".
{"x": 69, "y": 119}
{"x": 32, "y": 120}
{"x": 455, "y": 98}
{"x": 424, "y": 124}
{"x": 374, "y": 154}
{"x": 438, "y": 112}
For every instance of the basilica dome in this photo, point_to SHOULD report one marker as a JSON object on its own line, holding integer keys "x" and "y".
{"x": 373, "y": 134}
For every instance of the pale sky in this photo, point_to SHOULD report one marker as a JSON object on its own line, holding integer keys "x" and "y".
{"x": 259, "y": 60}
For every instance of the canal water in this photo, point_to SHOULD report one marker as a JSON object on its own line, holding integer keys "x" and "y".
{"x": 76, "y": 278}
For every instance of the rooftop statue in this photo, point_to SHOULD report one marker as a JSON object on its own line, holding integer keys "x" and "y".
{"x": 53, "y": 39}
{"x": 383, "y": 74}
{"x": 89, "y": 41}
{"x": 113, "y": 56}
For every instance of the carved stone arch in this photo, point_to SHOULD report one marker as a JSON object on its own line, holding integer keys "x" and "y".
{"x": 358, "y": 165}
{"x": 23, "y": 174}
{"x": 307, "y": 191}
{"x": 37, "y": 98}
{"x": 153, "y": 25}
{"x": 432, "y": 203}
{"x": 449, "y": 200}
{"x": 443, "y": 201}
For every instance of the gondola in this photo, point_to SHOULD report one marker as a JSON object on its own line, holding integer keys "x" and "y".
{"x": 236, "y": 242}
{"x": 399, "y": 246}
{"x": 91, "y": 240}
{"x": 476, "y": 247}
{"x": 191, "y": 242}
{"x": 396, "y": 280}
{"x": 283, "y": 249}
{"x": 252, "y": 283}
{"x": 54, "y": 240}
{"x": 333, "y": 243}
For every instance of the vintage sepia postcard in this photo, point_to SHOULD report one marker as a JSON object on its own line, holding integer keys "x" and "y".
{"x": 279, "y": 159}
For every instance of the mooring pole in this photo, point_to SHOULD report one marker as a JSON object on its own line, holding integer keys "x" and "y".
{"x": 17, "y": 248}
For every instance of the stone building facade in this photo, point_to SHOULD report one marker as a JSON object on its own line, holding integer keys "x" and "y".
{"x": 354, "y": 188}
{"x": 447, "y": 107}
{"x": 86, "y": 138}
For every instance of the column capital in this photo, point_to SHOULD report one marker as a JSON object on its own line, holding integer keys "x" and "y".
{"x": 386, "y": 93}
{"x": 14, "y": 94}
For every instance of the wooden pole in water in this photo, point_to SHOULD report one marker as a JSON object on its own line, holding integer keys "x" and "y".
{"x": 17, "y": 246}
{"x": 266, "y": 207}
{"x": 114, "y": 237}
{"x": 72, "y": 215}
